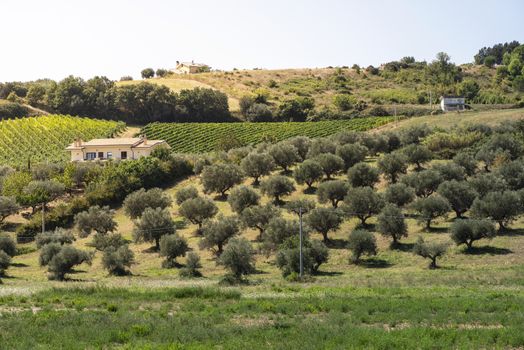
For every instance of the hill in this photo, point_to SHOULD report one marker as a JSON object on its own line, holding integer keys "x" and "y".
{"x": 39, "y": 139}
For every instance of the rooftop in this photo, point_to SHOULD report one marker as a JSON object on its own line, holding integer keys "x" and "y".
{"x": 133, "y": 142}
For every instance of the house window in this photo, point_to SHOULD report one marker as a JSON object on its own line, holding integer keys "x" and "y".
{"x": 123, "y": 155}
{"x": 90, "y": 155}
{"x": 100, "y": 155}
{"x": 109, "y": 155}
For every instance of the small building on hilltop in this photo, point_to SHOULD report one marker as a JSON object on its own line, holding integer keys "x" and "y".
{"x": 117, "y": 148}
{"x": 452, "y": 103}
{"x": 190, "y": 68}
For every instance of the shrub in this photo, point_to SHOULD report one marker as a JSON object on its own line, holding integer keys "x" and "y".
{"x": 136, "y": 202}
{"x": 192, "y": 266}
{"x": 363, "y": 203}
{"x": 152, "y": 225}
{"x": 361, "y": 242}
{"x": 460, "y": 195}
{"x": 59, "y": 235}
{"x": 147, "y": 73}
{"x": 217, "y": 232}
{"x": 391, "y": 222}
{"x": 392, "y": 165}
{"x": 468, "y": 231}
{"x": 399, "y": 194}
{"x": 363, "y": 175}
{"x": 308, "y": 172}
{"x": 324, "y": 220}
{"x": 221, "y": 177}
{"x": 314, "y": 254}
{"x": 100, "y": 220}
{"x": 171, "y": 247}
{"x": 7, "y": 245}
{"x": 198, "y": 209}
{"x": 185, "y": 193}
{"x": 61, "y": 259}
{"x": 429, "y": 251}
{"x": 258, "y": 217}
{"x": 332, "y": 191}
{"x": 238, "y": 258}
{"x": 430, "y": 208}
{"x": 277, "y": 186}
{"x": 351, "y": 154}
{"x": 242, "y": 197}
{"x": 117, "y": 260}
{"x": 256, "y": 165}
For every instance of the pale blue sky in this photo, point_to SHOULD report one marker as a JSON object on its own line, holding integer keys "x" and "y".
{"x": 56, "y": 38}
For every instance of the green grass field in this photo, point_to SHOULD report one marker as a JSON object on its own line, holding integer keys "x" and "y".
{"x": 205, "y": 137}
{"x": 45, "y": 138}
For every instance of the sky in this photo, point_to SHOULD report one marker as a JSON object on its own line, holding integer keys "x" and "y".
{"x": 57, "y": 38}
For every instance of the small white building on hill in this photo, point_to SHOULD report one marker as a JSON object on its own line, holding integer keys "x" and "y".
{"x": 190, "y": 67}
{"x": 452, "y": 103}
{"x": 117, "y": 148}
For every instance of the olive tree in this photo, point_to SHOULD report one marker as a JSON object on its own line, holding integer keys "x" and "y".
{"x": 424, "y": 182}
{"x": 450, "y": 171}
{"x": 392, "y": 165}
{"x": 152, "y": 225}
{"x": 417, "y": 155}
{"x": 314, "y": 254}
{"x": 301, "y": 205}
{"x": 277, "y": 186}
{"x": 332, "y": 191}
{"x": 351, "y": 154}
{"x": 218, "y": 231}
{"x": 302, "y": 144}
{"x": 42, "y": 192}
{"x": 361, "y": 242}
{"x": 185, "y": 193}
{"x": 221, "y": 177}
{"x": 363, "y": 203}
{"x": 256, "y": 165}
{"x": 242, "y": 197}
{"x": 330, "y": 164}
{"x": 238, "y": 257}
{"x": 278, "y": 230}
{"x": 362, "y": 174}
{"x": 321, "y": 146}
{"x": 258, "y": 217}
{"x": 60, "y": 259}
{"x": 485, "y": 183}
{"x": 5, "y": 262}
{"x": 96, "y": 218}
{"x": 430, "y": 250}
{"x": 171, "y": 247}
{"x": 59, "y": 235}
{"x": 460, "y": 195}
{"x": 308, "y": 172}
{"x": 136, "y": 202}
{"x": 8, "y": 206}
{"x": 467, "y": 162}
{"x": 198, "y": 209}
{"x": 502, "y": 207}
{"x": 399, "y": 194}
{"x": 192, "y": 266}
{"x": 118, "y": 260}
{"x": 7, "y": 245}
{"x": 471, "y": 230}
{"x": 284, "y": 155}
{"x": 391, "y": 222}
{"x": 430, "y": 208}
{"x": 323, "y": 220}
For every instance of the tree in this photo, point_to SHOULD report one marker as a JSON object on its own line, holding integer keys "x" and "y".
{"x": 460, "y": 195}
{"x": 5, "y": 262}
{"x": 238, "y": 257}
{"x": 363, "y": 203}
{"x": 152, "y": 225}
{"x": 258, "y": 217}
{"x": 513, "y": 174}
{"x": 42, "y": 192}
{"x": 450, "y": 171}
{"x": 392, "y": 165}
{"x": 102, "y": 242}
{"x": 502, "y": 207}
{"x": 314, "y": 254}
{"x": 468, "y": 231}
{"x": 258, "y": 112}
{"x": 136, "y": 202}
{"x": 96, "y": 218}
{"x": 192, "y": 266}
{"x": 59, "y": 235}
{"x": 363, "y": 175}
{"x": 361, "y": 242}
{"x": 467, "y": 162}
{"x": 323, "y": 220}
{"x": 284, "y": 155}
{"x": 277, "y": 186}
{"x": 61, "y": 259}
{"x": 242, "y": 197}
{"x": 332, "y": 191}
{"x": 301, "y": 205}
{"x": 424, "y": 182}
{"x": 308, "y": 172}
{"x": 171, "y": 247}
{"x": 469, "y": 89}
{"x": 256, "y": 165}
{"x": 330, "y": 163}
{"x": 185, "y": 193}
{"x": 485, "y": 183}
{"x": 321, "y": 146}
{"x": 117, "y": 260}
{"x": 296, "y": 110}
{"x": 217, "y": 232}
{"x": 418, "y": 155}
{"x": 278, "y": 230}
{"x": 343, "y": 102}
{"x": 399, "y": 194}
{"x": 430, "y": 251}
{"x": 302, "y": 144}
{"x": 160, "y": 72}
{"x": 351, "y": 153}
{"x": 147, "y": 73}
{"x": 7, "y": 245}
{"x": 8, "y": 206}
{"x": 391, "y": 222}
{"x": 430, "y": 208}
{"x": 221, "y": 177}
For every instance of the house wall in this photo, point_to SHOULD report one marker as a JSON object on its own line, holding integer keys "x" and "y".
{"x": 132, "y": 153}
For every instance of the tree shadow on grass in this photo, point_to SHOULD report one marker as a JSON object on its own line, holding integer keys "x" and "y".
{"x": 403, "y": 247}
{"x": 336, "y": 244}
{"x": 437, "y": 230}
{"x": 310, "y": 190}
{"x": 19, "y": 265}
{"x": 328, "y": 273}
{"x": 511, "y": 232}
{"x": 374, "y": 263}
{"x": 487, "y": 250}
{"x": 150, "y": 250}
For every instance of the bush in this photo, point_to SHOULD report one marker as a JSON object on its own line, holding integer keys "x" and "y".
{"x": 430, "y": 208}
{"x": 332, "y": 191}
{"x": 242, "y": 197}
{"x": 171, "y": 247}
{"x": 363, "y": 175}
{"x": 221, "y": 177}
{"x": 198, "y": 209}
{"x": 361, "y": 242}
{"x": 429, "y": 251}
{"x": 5, "y": 261}
{"x": 136, "y": 202}
{"x": 277, "y": 186}
{"x": 117, "y": 260}
{"x": 61, "y": 259}
{"x": 399, "y": 194}
{"x": 308, "y": 172}
{"x": 468, "y": 231}
{"x": 217, "y": 232}
{"x": 238, "y": 258}
{"x": 59, "y": 235}
{"x": 152, "y": 225}
{"x": 314, "y": 254}
{"x": 192, "y": 266}
{"x": 7, "y": 245}
{"x": 391, "y": 222}
{"x": 185, "y": 193}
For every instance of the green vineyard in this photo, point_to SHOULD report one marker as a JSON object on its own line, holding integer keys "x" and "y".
{"x": 206, "y": 137}
{"x": 44, "y": 138}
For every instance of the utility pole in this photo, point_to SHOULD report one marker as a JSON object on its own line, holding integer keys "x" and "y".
{"x": 430, "y": 100}
{"x": 300, "y": 249}
{"x": 43, "y": 218}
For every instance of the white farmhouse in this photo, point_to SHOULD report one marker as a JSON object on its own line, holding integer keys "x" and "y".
{"x": 452, "y": 103}
{"x": 117, "y": 148}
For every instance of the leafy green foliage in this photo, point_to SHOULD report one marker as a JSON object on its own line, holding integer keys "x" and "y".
{"x": 314, "y": 254}
{"x": 361, "y": 242}
{"x": 152, "y": 225}
{"x": 277, "y": 186}
{"x": 242, "y": 197}
{"x": 171, "y": 247}
{"x": 117, "y": 260}
{"x": 136, "y": 202}
{"x": 470, "y": 230}
{"x": 430, "y": 250}
{"x": 238, "y": 257}
{"x": 391, "y": 222}
{"x": 221, "y": 177}
{"x": 217, "y": 232}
